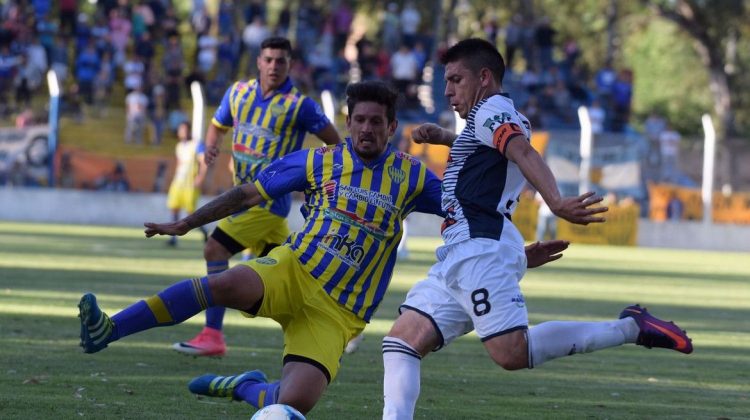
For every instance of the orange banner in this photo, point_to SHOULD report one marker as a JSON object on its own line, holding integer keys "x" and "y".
{"x": 687, "y": 204}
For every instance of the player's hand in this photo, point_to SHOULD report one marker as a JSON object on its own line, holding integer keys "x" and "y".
{"x": 210, "y": 155}
{"x": 177, "y": 228}
{"x": 580, "y": 210}
{"x": 540, "y": 253}
{"x": 428, "y": 133}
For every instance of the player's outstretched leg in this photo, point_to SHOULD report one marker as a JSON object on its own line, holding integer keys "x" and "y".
{"x": 251, "y": 387}
{"x": 172, "y": 305}
{"x": 657, "y": 333}
{"x": 209, "y": 342}
{"x": 96, "y": 327}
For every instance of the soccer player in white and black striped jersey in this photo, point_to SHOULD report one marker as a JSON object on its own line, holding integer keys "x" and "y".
{"x": 475, "y": 283}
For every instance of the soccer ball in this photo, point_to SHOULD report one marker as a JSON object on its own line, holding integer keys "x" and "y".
{"x": 277, "y": 412}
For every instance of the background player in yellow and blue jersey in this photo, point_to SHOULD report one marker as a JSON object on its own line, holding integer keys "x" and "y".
{"x": 269, "y": 118}
{"x": 190, "y": 171}
{"x": 324, "y": 284}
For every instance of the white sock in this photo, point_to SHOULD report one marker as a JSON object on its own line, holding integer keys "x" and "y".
{"x": 550, "y": 340}
{"x": 400, "y": 379}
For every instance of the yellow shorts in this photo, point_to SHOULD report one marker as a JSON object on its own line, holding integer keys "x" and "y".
{"x": 255, "y": 228}
{"x": 182, "y": 198}
{"x": 315, "y": 326}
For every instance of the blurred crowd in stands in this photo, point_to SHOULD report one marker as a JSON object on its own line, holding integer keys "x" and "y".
{"x": 146, "y": 48}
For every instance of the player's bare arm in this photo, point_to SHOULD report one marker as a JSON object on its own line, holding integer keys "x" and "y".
{"x": 214, "y": 135}
{"x": 540, "y": 253}
{"x": 329, "y": 135}
{"x": 433, "y": 134}
{"x": 579, "y": 210}
{"x": 238, "y": 198}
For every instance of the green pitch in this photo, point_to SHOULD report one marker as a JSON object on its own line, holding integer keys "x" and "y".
{"x": 44, "y": 269}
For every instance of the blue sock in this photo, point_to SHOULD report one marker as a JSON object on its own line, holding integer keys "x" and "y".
{"x": 170, "y": 306}
{"x": 215, "y": 315}
{"x": 258, "y": 395}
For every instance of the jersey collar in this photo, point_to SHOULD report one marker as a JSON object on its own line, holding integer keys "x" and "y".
{"x": 372, "y": 164}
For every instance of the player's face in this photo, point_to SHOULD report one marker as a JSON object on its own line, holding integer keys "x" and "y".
{"x": 273, "y": 67}
{"x": 370, "y": 129}
{"x": 462, "y": 87}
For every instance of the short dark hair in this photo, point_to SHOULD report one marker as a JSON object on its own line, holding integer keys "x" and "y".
{"x": 372, "y": 91}
{"x": 477, "y": 54}
{"x": 277, "y": 43}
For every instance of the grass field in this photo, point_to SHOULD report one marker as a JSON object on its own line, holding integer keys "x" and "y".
{"x": 44, "y": 269}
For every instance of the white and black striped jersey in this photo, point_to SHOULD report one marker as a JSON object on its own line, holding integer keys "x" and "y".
{"x": 480, "y": 185}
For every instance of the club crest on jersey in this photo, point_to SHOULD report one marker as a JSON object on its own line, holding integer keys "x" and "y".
{"x": 277, "y": 110}
{"x": 396, "y": 174}
{"x": 405, "y": 156}
{"x": 496, "y": 120}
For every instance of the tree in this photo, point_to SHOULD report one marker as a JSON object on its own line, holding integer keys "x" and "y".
{"x": 713, "y": 27}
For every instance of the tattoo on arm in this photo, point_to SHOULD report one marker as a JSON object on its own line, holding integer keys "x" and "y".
{"x": 222, "y": 206}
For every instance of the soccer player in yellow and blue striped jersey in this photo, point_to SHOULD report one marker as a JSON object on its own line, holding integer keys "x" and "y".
{"x": 324, "y": 284}
{"x": 189, "y": 173}
{"x": 268, "y": 118}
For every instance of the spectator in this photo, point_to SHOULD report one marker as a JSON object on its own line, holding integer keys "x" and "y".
{"x": 103, "y": 84}
{"x": 597, "y": 115}
{"x": 404, "y": 68}
{"x": 67, "y": 13}
{"x": 134, "y": 71}
{"x": 145, "y": 50}
{"x": 544, "y": 38}
{"x": 513, "y": 40}
{"x": 342, "y": 22}
{"x": 669, "y": 147}
{"x": 59, "y": 59}
{"x": 252, "y": 36}
{"x": 119, "y": 27}
{"x": 71, "y": 103}
{"x": 410, "y": 20}
{"x": 136, "y": 103}
{"x": 207, "y": 53}
{"x": 173, "y": 63}
{"x": 533, "y": 113}
{"x": 157, "y": 112}
{"x": 654, "y": 125}
{"x": 389, "y": 28}
{"x": 27, "y": 80}
{"x": 87, "y": 67}
{"x": 116, "y": 181}
{"x": 225, "y": 18}
{"x": 284, "y": 22}
{"x": 228, "y": 59}
{"x": 675, "y": 208}
{"x": 8, "y": 65}
{"x": 622, "y": 93}
{"x": 67, "y": 173}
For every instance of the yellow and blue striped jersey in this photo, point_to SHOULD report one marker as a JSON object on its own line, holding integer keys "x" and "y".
{"x": 353, "y": 216}
{"x": 265, "y": 129}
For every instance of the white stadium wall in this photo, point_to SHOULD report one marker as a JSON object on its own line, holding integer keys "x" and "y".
{"x": 132, "y": 209}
